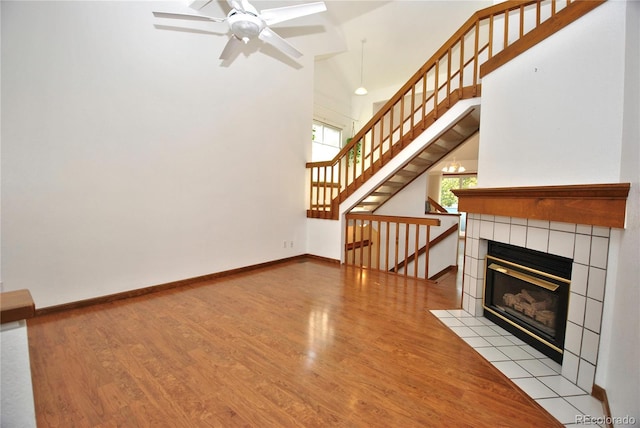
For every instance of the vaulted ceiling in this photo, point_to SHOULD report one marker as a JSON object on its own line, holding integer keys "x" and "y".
{"x": 400, "y": 36}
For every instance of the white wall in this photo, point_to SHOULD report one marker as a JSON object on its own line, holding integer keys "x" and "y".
{"x": 410, "y": 201}
{"x": 620, "y": 348}
{"x": 131, "y": 158}
{"x": 565, "y": 112}
{"x": 16, "y": 391}
{"x": 553, "y": 115}
{"x": 1, "y": 284}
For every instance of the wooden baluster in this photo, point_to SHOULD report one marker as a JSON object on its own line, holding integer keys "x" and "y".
{"x": 417, "y": 249}
{"x": 426, "y": 253}
{"x": 413, "y": 108}
{"x": 353, "y": 165}
{"x": 343, "y": 177}
{"x": 386, "y": 254}
{"x": 553, "y": 7}
{"x": 334, "y": 189}
{"x": 476, "y": 58}
{"x": 311, "y": 188}
{"x": 319, "y": 189}
{"x": 435, "y": 90}
{"x": 363, "y": 150}
{"x": 461, "y": 84}
{"x": 391, "y": 130}
{"x": 402, "y": 120}
{"x": 406, "y": 248}
{"x": 378, "y": 245}
{"x": 346, "y": 239}
{"x": 381, "y": 141}
{"x": 323, "y": 187}
{"x": 448, "y": 76}
{"x": 330, "y": 185}
{"x": 361, "y": 243}
{"x": 317, "y": 186}
{"x": 373, "y": 148}
{"x": 490, "y": 55}
{"x": 521, "y": 20}
{"x": 395, "y": 265}
{"x": 369, "y": 225}
{"x": 354, "y": 226}
{"x": 505, "y": 42}
{"x": 424, "y": 99}
{"x": 538, "y": 12}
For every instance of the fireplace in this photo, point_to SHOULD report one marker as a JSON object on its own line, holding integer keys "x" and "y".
{"x": 527, "y": 293}
{"x": 573, "y": 221}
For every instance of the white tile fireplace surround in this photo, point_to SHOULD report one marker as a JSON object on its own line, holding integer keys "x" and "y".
{"x": 588, "y": 246}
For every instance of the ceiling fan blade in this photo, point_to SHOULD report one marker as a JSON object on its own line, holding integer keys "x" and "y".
{"x": 281, "y": 14}
{"x": 242, "y": 6}
{"x": 269, "y": 36}
{"x": 198, "y": 4}
{"x": 187, "y": 16}
{"x": 235, "y": 4}
{"x": 231, "y": 48}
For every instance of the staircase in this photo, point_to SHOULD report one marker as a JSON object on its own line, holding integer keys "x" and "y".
{"x": 456, "y": 134}
{"x": 490, "y": 38}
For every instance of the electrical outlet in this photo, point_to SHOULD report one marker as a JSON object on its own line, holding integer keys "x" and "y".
{"x": 290, "y": 244}
{"x": 284, "y": 244}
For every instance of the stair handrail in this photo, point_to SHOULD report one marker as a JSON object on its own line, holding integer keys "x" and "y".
{"x": 560, "y": 13}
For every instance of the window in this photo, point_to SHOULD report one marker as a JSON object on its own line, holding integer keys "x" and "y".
{"x": 325, "y": 142}
{"x": 450, "y": 201}
{"x": 450, "y": 182}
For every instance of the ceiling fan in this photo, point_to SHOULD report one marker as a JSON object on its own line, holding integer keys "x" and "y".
{"x": 246, "y": 23}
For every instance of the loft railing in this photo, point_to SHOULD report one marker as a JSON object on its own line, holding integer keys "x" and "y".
{"x": 490, "y": 38}
{"x": 388, "y": 243}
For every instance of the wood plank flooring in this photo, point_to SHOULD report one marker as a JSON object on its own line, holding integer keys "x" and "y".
{"x": 303, "y": 343}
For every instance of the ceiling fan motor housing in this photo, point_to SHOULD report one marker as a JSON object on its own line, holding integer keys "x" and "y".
{"x": 245, "y": 26}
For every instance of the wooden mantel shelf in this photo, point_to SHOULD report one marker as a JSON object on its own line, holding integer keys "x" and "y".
{"x": 593, "y": 204}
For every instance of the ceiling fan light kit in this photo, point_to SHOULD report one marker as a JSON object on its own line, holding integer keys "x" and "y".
{"x": 246, "y": 23}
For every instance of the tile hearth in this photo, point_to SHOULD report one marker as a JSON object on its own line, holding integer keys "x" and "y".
{"x": 587, "y": 246}
{"x": 534, "y": 373}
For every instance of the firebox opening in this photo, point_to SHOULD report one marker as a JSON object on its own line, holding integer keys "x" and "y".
{"x": 527, "y": 293}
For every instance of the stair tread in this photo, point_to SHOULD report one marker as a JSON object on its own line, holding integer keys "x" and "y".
{"x": 406, "y": 173}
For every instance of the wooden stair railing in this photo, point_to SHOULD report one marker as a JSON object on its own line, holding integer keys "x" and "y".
{"x": 490, "y": 38}
{"x": 450, "y": 231}
{"x": 385, "y": 242}
{"x": 436, "y": 207}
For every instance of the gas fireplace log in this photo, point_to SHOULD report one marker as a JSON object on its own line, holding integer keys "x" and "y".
{"x": 528, "y": 297}
{"x": 527, "y": 303}
{"x": 547, "y": 318}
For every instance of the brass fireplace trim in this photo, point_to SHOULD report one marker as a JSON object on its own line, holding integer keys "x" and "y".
{"x": 524, "y": 330}
{"x": 528, "y": 278}
{"x": 536, "y": 281}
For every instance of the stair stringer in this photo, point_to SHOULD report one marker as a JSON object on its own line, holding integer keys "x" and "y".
{"x": 429, "y": 135}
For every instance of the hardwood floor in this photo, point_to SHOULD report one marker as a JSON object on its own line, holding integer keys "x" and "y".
{"x": 303, "y": 343}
